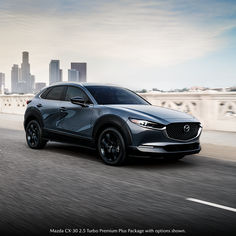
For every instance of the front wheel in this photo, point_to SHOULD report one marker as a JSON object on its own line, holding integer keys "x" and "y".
{"x": 34, "y": 137}
{"x": 111, "y": 147}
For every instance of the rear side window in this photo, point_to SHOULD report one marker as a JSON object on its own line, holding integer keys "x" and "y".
{"x": 76, "y": 92}
{"x": 45, "y": 93}
{"x": 55, "y": 93}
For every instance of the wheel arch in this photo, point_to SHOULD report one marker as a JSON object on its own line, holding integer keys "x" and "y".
{"x": 115, "y": 122}
{"x": 33, "y": 114}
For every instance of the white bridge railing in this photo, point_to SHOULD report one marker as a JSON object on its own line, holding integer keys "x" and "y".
{"x": 14, "y": 104}
{"x": 216, "y": 111}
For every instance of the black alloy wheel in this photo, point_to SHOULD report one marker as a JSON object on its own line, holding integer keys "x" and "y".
{"x": 34, "y": 136}
{"x": 111, "y": 147}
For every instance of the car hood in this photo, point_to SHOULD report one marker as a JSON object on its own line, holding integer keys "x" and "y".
{"x": 155, "y": 112}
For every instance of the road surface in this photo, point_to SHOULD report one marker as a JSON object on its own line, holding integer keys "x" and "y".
{"x": 66, "y": 187}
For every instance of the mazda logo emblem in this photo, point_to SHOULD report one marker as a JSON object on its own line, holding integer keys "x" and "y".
{"x": 186, "y": 128}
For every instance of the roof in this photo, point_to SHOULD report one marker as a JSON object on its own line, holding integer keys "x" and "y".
{"x": 82, "y": 84}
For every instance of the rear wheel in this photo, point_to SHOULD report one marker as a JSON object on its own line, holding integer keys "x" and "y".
{"x": 34, "y": 137}
{"x": 111, "y": 147}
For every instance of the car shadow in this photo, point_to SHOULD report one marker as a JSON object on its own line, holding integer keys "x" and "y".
{"x": 72, "y": 150}
{"x": 132, "y": 162}
{"x": 160, "y": 163}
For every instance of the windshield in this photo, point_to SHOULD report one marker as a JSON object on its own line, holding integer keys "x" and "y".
{"x": 115, "y": 95}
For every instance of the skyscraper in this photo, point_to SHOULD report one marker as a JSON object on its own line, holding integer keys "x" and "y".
{"x": 2, "y": 79}
{"x": 81, "y": 67}
{"x": 25, "y": 67}
{"x": 32, "y": 83}
{"x": 21, "y": 79}
{"x": 2, "y": 82}
{"x": 73, "y": 75}
{"x": 15, "y": 74}
{"x": 25, "y": 78}
{"x": 55, "y": 73}
{"x": 61, "y": 74}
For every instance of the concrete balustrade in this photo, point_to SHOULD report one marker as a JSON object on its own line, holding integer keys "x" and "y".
{"x": 14, "y": 104}
{"x": 216, "y": 111}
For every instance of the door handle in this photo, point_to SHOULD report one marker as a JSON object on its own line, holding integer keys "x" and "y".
{"x": 39, "y": 105}
{"x": 62, "y": 109}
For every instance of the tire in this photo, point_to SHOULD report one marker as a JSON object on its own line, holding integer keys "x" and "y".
{"x": 111, "y": 147}
{"x": 34, "y": 135}
{"x": 174, "y": 157}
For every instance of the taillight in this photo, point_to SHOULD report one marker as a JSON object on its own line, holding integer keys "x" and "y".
{"x": 28, "y": 101}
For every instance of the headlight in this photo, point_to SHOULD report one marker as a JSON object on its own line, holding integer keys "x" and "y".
{"x": 147, "y": 124}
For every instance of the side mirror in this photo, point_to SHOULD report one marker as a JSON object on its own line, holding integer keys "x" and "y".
{"x": 78, "y": 101}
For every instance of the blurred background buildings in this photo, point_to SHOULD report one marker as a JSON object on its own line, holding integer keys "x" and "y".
{"x": 81, "y": 68}
{"x": 2, "y": 82}
{"x": 23, "y": 82}
{"x": 55, "y": 73}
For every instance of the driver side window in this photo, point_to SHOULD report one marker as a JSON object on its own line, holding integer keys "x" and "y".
{"x": 76, "y": 92}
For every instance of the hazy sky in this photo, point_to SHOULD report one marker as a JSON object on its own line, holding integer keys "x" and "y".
{"x": 136, "y": 43}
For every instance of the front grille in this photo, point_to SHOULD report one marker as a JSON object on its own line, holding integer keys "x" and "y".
{"x": 182, "y": 147}
{"x": 183, "y": 131}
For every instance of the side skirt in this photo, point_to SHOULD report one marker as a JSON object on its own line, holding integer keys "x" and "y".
{"x": 60, "y": 136}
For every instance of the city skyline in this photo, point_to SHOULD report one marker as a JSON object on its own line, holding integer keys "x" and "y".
{"x": 137, "y": 44}
{"x": 55, "y": 75}
{"x": 22, "y": 81}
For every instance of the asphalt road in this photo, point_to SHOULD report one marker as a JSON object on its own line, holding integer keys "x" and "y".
{"x": 66, "y": 187}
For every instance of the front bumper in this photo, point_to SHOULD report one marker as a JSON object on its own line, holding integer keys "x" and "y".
{"x": 157, "y": 142}
{"x": 168, "y": 147}
{"x": 165, "y": 148}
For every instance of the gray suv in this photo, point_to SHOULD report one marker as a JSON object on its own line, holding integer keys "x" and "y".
{"x": 114, "y": 120}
